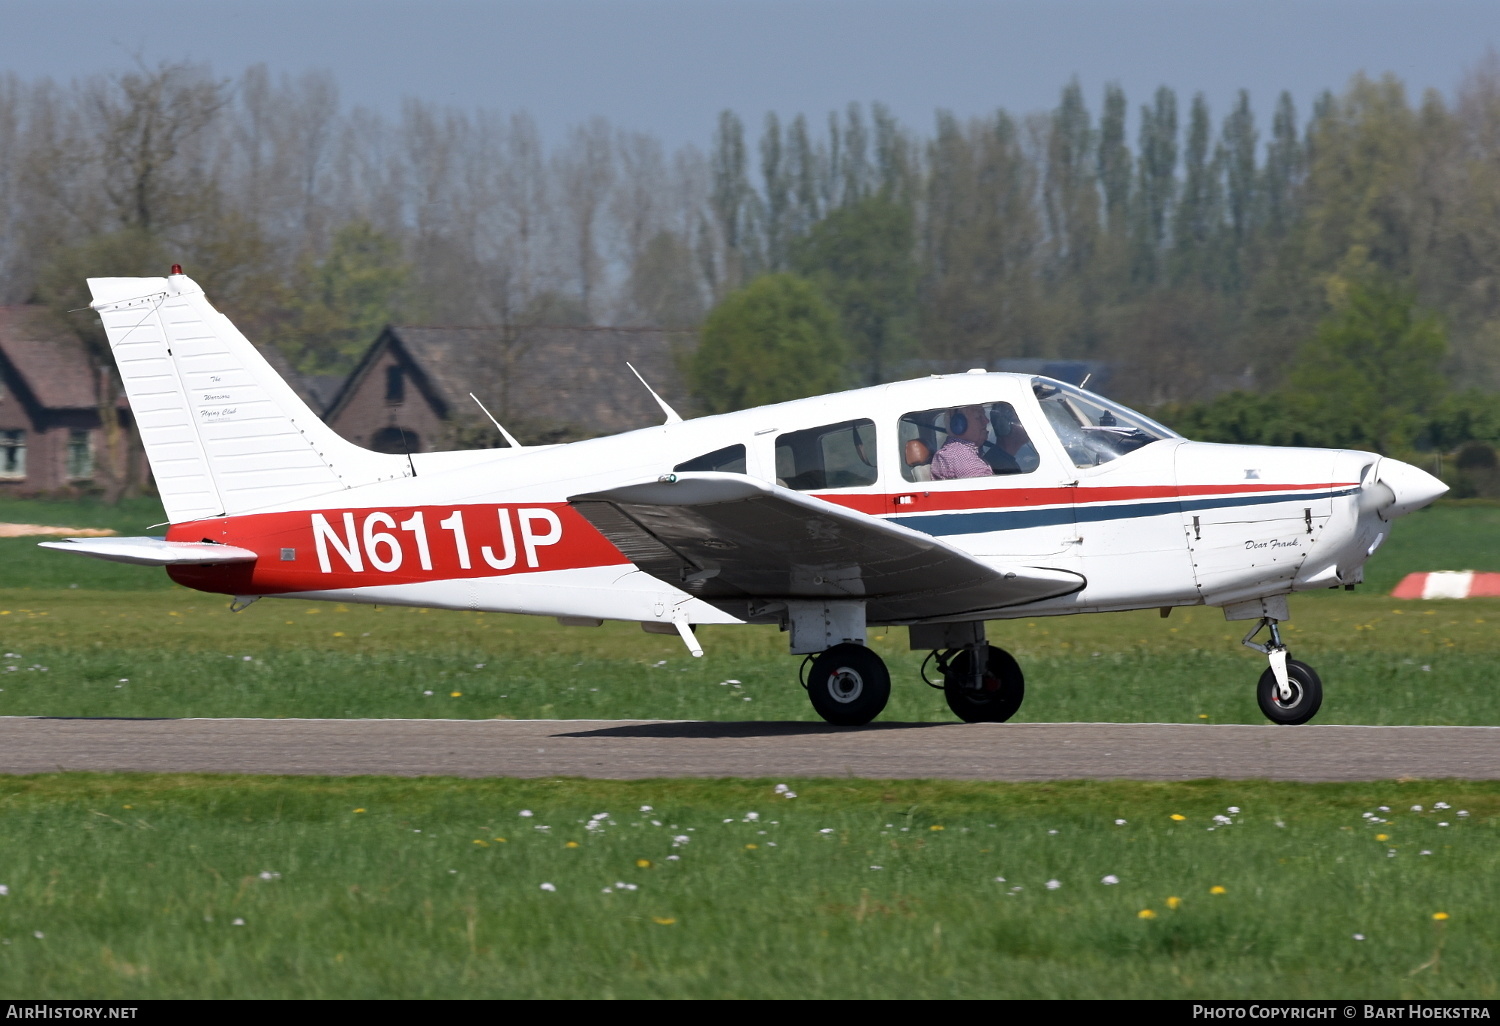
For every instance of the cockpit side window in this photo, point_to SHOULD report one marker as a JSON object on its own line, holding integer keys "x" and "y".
{"x": 980, "y": 440}
{"x": 1092, "y": 429}
{"x": 728, "y": 460}
{"x": 832, "y": 456}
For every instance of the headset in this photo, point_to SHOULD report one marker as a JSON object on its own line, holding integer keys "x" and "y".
{"x": 958, "y": 422}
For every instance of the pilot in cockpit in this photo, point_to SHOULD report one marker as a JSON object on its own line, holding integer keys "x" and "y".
{"x": 1012, "y": 451}
{"x": 959, "y": 457}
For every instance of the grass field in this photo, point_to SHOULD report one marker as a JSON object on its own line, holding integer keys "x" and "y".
{"x": 124, "y": 641}
{"x": 151, "y": 886}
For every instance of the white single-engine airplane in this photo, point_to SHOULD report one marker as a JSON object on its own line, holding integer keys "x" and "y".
{"x": 934, "y": 504}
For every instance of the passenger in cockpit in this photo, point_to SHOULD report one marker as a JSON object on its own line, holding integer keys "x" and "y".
{"x": 1012, "y": 451}
{"x": 959, "y": 457}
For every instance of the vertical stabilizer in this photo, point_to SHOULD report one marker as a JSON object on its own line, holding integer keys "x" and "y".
{"x": 224, "y": 433}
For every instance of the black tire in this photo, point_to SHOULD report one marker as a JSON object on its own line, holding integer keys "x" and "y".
{"x": 1307, "y": 694}
{"x": 849, "y": 685}
{"x": 999, "y": 698}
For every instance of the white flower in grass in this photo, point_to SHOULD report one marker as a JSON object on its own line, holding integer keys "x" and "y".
{"x": 237, "y": 922}
{"x": 789, "y": 794}
{"x": 1053, "y": 885}
{"x": 266, "y": 874}
{"x": 781, "y": 789}
{"x": 1234, "y": 810}
{"x": 877, "y": 867}
{"x": 680, "y": 840}
{"x": 619, "y": 886}
{"x": 1119, "y": 822}
{"x": 607, "y": 890}
{"x": 645, "y": 808}
{"x": 999, "y": 879}
{"x": 1110, "y": 880}
{"x": 1416, "y": 808}
{"x": 751, "y": 817}
{"x": 549, "y": 887}
{"x": 1383, "y": 808}
{"x": 525, "y": 814}
{"x": 1050, "y": 832}
{"x": 656, "y": 822}
{"x": 1442, "y": 805}
{"x": 593, "y": 824}
{"x": 1463, "y": 812}
{"x": 4, "y": 891}
{"x": 1223, "y": 820}
{"x": 1424, "y": 853}
{"x": 1359, "y": 936}
{"x": 1442, "y": 824}
{"x": 826, "y": 830}
{"x": 674, "y": 858}
{"x": 599, "y": 815}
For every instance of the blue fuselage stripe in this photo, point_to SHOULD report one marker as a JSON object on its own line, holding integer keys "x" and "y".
{"x": 986, "y": 521}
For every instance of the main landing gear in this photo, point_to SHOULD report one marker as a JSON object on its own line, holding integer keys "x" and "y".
{"x": 1289, "y": 691}
{"x": 849, "y": 685}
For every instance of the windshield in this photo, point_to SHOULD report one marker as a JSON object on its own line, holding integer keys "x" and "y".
{"x": 1092, "y": 429}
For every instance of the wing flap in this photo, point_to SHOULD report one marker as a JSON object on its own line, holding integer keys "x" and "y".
{"x": 727, "y": 538}
{"x": 153, "y": 551}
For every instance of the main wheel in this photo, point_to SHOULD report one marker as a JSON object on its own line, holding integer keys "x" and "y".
{"x": 996, "y": 700}
{"x": 849, "y": 685}
{"x": 1307, "y": 694}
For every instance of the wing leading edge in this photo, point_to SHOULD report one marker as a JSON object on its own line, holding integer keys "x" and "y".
{"x": 731, "y": 540}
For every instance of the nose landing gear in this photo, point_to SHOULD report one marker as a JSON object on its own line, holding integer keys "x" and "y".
{"x": 1289, "y": 691}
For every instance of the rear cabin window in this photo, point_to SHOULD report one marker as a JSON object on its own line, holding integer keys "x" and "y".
{"x": 981, "y": 440}
{"x": 833, "y": 456}
{"x": 728, "y": 460}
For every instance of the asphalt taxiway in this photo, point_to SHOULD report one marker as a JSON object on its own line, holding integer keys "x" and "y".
{"x": 633, "y": 749}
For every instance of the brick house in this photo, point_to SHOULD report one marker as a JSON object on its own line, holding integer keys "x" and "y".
{"x": 49, "y": 410}
{"x": 410, "y": 391}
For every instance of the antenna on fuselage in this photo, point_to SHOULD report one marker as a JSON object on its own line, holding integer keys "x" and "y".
{"x": 672, "y": 415}
{"x": 510, "y": 439}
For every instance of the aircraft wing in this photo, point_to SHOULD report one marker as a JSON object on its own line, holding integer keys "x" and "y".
{"x": 728, "y": 538}
{"x": 153, "y": 551}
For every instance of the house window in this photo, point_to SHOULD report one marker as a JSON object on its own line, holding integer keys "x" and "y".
{"x": 395, "y": 384}
{"x": 12, "y": 454}
{"x": 80, "y": 455}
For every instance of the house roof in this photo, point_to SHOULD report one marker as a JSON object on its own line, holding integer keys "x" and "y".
{"x": 557, "y": 375}
{"x": 52, "y": 362}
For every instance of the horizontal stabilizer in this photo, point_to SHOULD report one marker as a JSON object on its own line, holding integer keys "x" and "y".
{"x": 152, "y": 551}
{"x": 727, "y": 537}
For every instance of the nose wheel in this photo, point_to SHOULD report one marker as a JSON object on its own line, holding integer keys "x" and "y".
{"x": 1290, "y": 709}
{"x": 1289, "y": 691}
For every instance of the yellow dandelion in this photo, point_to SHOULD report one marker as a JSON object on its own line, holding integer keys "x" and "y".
{"x": 1174, "y": 903}
{"x": 1145, "y": 913}
{"x": 1203, "y": 716}
{"x": 1216, "y": 889}
{"x": 571, "y": 844}
{"x": 934, "y": 827}
{"x": 1440, "y": 916}
{"x": 662, "y": 921}
{"x": 642, "y": 863}
{"x": 338, "y": 634}
{"x": 359, "y": 810}
{"x": 751, "y": 847}
{"x": 127, "y": 806}
{"x": 1179, "y": 817}
{"x": 482, "y": 844}
{"x": 455, "y": 694}
{"x": 500, "y": 840}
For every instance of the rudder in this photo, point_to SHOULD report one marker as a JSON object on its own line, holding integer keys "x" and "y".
{"x": 223, "y": 432}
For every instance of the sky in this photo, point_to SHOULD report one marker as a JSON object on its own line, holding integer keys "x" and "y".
{"x": 669, "y": 66}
